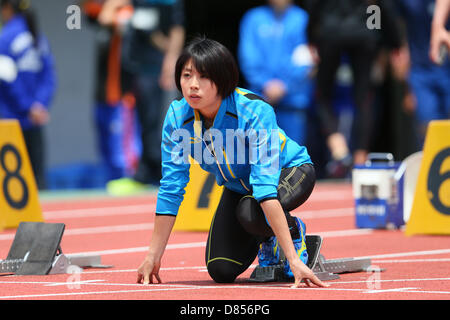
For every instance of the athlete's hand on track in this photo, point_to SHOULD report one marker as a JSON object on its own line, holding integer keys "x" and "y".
{"x": 302, "y": 272}
{"x": 149, "y": 269}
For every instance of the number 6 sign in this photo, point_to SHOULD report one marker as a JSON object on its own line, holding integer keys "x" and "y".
{"x": 18, "y": 193}
{"x": 430, "y": 212}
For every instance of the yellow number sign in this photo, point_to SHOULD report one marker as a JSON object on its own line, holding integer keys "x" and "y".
{"x": 18, "y": 193}
{"x": 431, "y": 205}
{"x": 200, "y": 201}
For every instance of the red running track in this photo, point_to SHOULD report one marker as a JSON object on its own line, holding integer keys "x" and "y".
{"x": 119, "y": 229}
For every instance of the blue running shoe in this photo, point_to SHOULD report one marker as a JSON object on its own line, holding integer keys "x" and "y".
{"x": 269, "y": 253}
{"x": 300, "y": 247}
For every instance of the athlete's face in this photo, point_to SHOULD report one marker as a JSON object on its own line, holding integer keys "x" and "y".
{"x": 199, "y": 91}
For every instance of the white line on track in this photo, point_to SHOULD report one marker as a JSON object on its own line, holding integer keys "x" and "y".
{"x": 328, "y": 234}
{"x": 322, "y": 195}
{"x": 411, "y": 260}
{"x": 406, "y": 254}
{"x": 162, "y": 287}
{"x": 72, "y": 283}
{"x": 149, "y": 209}
{"x": 96, "y": 230}
{"x": 392, "y": 280}
{"x": 390, "y": 290}
{"x": 116, "y": 210}
{"x": 149, "y": 226}
{"x": 324, "y": 213}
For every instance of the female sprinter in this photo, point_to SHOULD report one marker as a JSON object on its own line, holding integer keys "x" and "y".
{"x": 252, "y": 217}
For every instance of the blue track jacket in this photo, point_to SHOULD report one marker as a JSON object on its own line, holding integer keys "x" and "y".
{"x": 274, "y": 46}
{"x": 26, "y": 72}
{"x": 244, "y": 149}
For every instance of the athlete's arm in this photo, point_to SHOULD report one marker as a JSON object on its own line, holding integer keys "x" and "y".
{"x": 276, "y": 218}
{"x": 152, "y": 262}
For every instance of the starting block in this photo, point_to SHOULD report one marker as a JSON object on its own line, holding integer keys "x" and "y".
{"x": 36, "y": 250}
{"x": 324, "y": 269}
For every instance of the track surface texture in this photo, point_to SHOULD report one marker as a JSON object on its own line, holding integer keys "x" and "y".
{"x": 119, "y": 229}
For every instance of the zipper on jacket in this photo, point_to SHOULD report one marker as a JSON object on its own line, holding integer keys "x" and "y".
{"x": 243, "y": 184}
{"x": 226, "y": 162}
{"x": 215, "y": 157}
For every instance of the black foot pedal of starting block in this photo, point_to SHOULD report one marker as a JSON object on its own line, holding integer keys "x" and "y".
{"x": 37, "y": 243}
{"x": 324, "y": 269}
{"x": 36, "y": 250}
{"x": 267, "y": 274}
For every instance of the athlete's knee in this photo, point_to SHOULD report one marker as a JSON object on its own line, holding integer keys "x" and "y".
{"x": 221, "y": 271}
{"x": 251, "y": 217}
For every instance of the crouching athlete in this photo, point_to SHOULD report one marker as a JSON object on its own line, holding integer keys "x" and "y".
{"x": 265, "y": 174}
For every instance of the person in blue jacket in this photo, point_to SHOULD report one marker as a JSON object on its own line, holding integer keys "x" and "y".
{"x": 232, "y": 133}
{"x": 27, "y": 79}
{"x": 276, "y": 62}
{"x": 430, "y": 82}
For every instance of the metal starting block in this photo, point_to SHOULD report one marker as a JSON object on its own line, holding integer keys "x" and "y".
{"x": 36, "y": 250}
{"x": 324, "y": 269}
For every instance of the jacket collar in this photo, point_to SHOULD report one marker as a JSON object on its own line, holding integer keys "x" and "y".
{"x": 217, "y": 120}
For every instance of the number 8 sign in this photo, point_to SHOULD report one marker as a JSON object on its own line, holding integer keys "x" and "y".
{"x": 18, "y": 193}
{"x": 10, "y": 175}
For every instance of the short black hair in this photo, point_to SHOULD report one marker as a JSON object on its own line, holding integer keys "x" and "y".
{"x": 212, "y": 60}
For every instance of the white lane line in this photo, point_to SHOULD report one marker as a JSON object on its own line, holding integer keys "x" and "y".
{"x": 154, "y": 288}
{"x": 177, "y": 287}
{"x": 324, "y": 213}
{"x": 150, "y": 209}
{"x": 101, "y": 282}
{"x": 28, "y": 296}
{"x": 149, "y": 226}
{"x": 96, "y": 230}
{"x": 320, "y": 196}
{"x": 328, "y": 234}
{"x": 113, "y": 210}
{"x": 411, "y": 260}
{"x": 109, "y": 229}
{"x": 406, "y": 254}
{"x": 391, "y": 280}
{"x": 199, "y": 268}
{"x": 390, "y": 290}
{"x": 143, "y": 249}
{"x": 99, "y": 212}
{"x": 72, "y": 283}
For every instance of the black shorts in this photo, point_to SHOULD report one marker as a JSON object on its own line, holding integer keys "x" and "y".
{"x": 239, "y": 225}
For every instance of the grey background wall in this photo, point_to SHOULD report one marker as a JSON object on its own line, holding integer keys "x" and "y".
{"x": 70, "y": 134}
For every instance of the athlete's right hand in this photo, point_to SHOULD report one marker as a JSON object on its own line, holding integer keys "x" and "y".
{"x": 302, "y": 272}
{"x": 149, "y": 269}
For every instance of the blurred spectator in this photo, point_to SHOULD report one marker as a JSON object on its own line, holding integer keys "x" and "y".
{"x": 440, "y": 35}
{"x": 114, "y": 110}
{"x": 27, "y": 79}
{"x": 430, "y": 83}
{"x": 337, "y": 28}
{"x": 276, "y": 61}
{"x": 152, "y": 42}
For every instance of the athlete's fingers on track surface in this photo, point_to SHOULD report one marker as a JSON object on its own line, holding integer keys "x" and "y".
{"x": 157, "y": 278}
{"x": 308, "y": 282}
{"x": 318, "y": 282}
